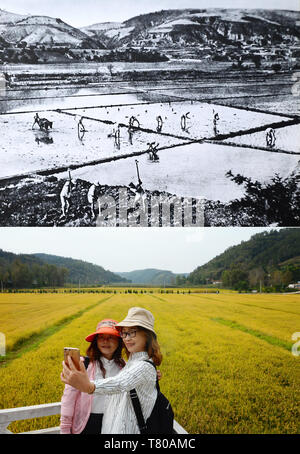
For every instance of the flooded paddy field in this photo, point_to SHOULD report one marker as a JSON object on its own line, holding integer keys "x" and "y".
{"x": 32, "y": 150}
{"x": 286, "y": 138}
{"x": 124, "y": 120}
{"x": 187, "y": 119}
{"x": 202, "y": 173}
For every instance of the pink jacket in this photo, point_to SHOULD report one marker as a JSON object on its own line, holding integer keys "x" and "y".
{"x": 76, "y": 407}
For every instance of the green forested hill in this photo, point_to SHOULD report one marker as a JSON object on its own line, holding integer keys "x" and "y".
{"x": 42, "y": 270}
{"x": 81, "y": 272}
{"x": 23, "y": 270}
{"x": 150, "y": 276}
{"x": 271, "y": 258}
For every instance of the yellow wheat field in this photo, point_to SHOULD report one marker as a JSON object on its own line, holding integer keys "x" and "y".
{"x": 22, "y": 315}
{"x": 227, "y": 367}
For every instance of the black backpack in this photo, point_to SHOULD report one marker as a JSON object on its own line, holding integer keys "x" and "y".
{"x": 162, "y": 416}
{"x": 86, "y": 361}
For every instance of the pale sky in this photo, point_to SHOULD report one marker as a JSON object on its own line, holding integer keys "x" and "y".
{"x": 87, "y": 12}
{"x": 179, "y": 250}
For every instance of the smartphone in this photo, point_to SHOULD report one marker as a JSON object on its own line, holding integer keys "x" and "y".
{"x": 75, "y": 355}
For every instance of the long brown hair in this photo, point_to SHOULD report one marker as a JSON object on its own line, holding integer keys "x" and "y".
{"x": 95, "y": 354}
{"x": 152, "y": 346}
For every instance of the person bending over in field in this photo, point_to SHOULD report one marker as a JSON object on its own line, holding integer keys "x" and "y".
{"x": 80, "y": 126}
{"x": 43, "y": 123}
{"x": 116, "y": 134}
{"x": 152, "y": 150}
{"x": 183, "y": 119}
{"x": 133, "y": 122}
{"x": 141, "y": 346}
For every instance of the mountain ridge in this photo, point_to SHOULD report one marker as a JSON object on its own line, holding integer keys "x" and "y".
{"x": 80, "y": 270}
{"x": 29, "y": 268}
{"x": 37, "y": 30}
{"x": 264, "y": 255}
{"x": 171, "y": 27}
{"x": 152, "y": 276}
{"x": 184, "y": 26}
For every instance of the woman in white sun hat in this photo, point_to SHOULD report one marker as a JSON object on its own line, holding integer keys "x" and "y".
{"x": 139, "y": 337}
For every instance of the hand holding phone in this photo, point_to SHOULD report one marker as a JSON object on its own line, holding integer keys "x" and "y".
{"x": 74, "y": 353}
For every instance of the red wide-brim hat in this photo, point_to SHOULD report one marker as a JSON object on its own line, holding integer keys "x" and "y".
{"x": 106, "y": 326}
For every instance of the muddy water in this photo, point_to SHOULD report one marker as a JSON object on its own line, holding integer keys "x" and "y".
{"x": 188, "y": 170}
{"x": 286, "y": 138}
{"x": 41, "y": 100}
{"x": 196, "y": 170}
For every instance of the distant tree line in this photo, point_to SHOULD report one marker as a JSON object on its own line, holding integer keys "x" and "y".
{"x": 22, "y": 53}
{"x": 259, "y": 278}
{"x": 130, "y": 55}
{"x": 239, "y": 279}
{"x": 22, "y": 275}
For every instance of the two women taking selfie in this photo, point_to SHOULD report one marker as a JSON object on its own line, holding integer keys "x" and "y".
{"x": 97, "y": 399}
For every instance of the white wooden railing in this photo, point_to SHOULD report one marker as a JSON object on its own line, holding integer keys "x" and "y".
{"x": 36, "y": 411}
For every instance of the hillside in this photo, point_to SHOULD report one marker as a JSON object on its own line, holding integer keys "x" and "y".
{"x": 184, "y": 27}
{"x": 150, "y": 276}
{"x": 42, "y": 30}
{"x": 25, "y": 271}
{"x": 80, "y": 272}
{"x": 7, "y": 258}
{"x": 268, "y": 257}
{"x": 231, "y": 35}
{"x": 7, "y": 18}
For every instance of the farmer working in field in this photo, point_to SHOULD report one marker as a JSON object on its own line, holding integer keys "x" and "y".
{"x": 81, "y": 127}
{"x": 92, "y": 196}
{"x": 65, "y": 195}
{"x": 270, "y": 137}
{"x": 36, "y": 119}
{"x": 216, "y": 119}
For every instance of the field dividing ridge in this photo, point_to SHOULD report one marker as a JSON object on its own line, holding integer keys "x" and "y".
{"x": 271, "y": 339}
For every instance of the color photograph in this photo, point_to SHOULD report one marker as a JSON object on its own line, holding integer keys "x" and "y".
{"x": 220, "y": 306}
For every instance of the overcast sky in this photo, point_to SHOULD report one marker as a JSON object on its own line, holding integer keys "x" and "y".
{"x": 179, "y": 250}
{"x": 86, "y": 12}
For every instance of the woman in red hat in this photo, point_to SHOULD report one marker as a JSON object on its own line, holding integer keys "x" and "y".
{"x": 140, "y": 340}
{"x": 82, "y": 413}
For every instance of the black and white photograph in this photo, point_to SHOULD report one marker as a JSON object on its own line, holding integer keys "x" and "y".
{"x": 149, "y": 114}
